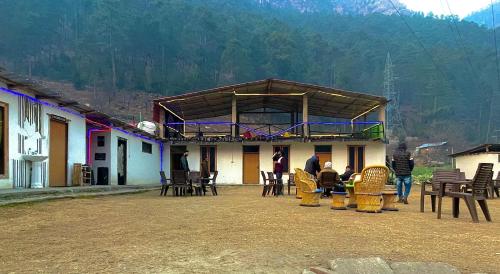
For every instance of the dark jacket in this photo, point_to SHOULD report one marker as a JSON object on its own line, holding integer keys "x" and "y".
{"x": 345, "y": 177}
{"x": 312, "y": 166}
{"x": 278, "y": 165}
{"x": 205, "y": 172}
{"x": 184, "y": 163}
{"x": 402, "y": 163}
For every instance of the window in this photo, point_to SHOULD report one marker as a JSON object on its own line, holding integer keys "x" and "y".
{"x": 250, "y": 149}
{"x": 324, "y": 154}
{"x": 356, "y": 158}
{"x": 100, "y": 141}
{"x": 285, "y": 150}
{"x": 4, "y": 139}
{"x": 147, "y": 148}
{"x": 211, "y": 153}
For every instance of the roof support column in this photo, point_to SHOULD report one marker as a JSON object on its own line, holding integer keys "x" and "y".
{"x": 381, "y": 118}
{"x": 234, "y": 117}
{"x": 305, "y": 114}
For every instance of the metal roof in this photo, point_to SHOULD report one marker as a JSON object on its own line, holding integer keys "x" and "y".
{"x": 271, "y": 93}
{"x": 15, "y": 81}
{"x": 484, "y": 148}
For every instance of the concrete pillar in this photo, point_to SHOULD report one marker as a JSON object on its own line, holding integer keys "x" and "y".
{"x": 381, "y": 117}
{"x": 305, "y": 114}
{"x": 234, "y": 117}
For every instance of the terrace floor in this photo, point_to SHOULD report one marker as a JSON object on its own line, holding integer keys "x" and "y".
{"x": 237, "y": 231}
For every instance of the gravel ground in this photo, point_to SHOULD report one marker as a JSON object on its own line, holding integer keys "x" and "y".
{"x": 238, "y": 231}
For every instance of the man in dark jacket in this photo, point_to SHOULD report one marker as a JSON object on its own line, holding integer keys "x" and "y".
{"x": 184, "y": 161}
{"x": 403, "y": 164}
{"x": 313, "y": 166}
{"x": 204, "y": 173}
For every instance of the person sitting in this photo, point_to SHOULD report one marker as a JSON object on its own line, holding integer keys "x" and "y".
{"x": 312, "y": 166}
{"x": 328, "y": 176}
{"x": 347, "y": 174}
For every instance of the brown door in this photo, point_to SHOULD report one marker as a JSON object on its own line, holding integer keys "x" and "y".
{"x": 58, "y": 153}
{"x": 250, "y": 165}
{"x": 323, "y": 158}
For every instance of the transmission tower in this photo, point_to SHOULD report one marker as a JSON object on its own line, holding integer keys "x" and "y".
{"x": 394, "y": 124}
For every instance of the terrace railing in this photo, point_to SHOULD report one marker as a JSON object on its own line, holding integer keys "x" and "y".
{"x": 366, "y": 130}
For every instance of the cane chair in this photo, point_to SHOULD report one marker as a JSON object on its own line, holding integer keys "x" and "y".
{"x": 369, "y": 190}
{"x": 310, "y": 193}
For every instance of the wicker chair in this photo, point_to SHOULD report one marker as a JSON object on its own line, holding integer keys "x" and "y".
{"x": 369, "y": 189}
{"x": 310, "y": 193}
{"x": 299, "y": 175}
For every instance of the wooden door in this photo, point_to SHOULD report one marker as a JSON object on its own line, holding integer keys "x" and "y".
{"x": 251, "y": 165}
{"x": 323, "y": 158}
{"x": 58, "y": 153}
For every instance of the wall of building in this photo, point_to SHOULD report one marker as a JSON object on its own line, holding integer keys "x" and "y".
{"x": 469, "y": 163}
{"x": 76, "y": 136}
{"x": 142, "y": 168}
{"x": 230, "y": 157}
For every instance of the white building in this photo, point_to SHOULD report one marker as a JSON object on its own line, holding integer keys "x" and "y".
{"x": 467, "y": 161}
{"x": 44, "y": 135}
{"x": 239, "y": 127}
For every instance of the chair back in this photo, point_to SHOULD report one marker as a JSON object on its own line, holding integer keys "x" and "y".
{"x": 328, "y": 179}
{"x": 308, "y": 185}
{"x": 482, "y": 179}
{"x": 270, "y": 176}
{"x": 214, "y": 178}
{"x": 373, "y": 179}
{"x": 194, "y": 176}
{"x": 179, "y": 177}
{"x": 163, "y": 178}
{"x": 263, "y": 174}
{"x": 291, "y": 178}
{"x": 299, "y": 176}
{"x": 444, "y": 175}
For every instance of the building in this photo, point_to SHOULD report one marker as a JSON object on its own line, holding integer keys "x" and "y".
{"x": 43, "y": 135}
{"x": 467, "y": 161}
{"x": 239, "y": 127}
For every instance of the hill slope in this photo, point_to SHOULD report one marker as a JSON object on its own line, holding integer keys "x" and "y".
{"x": 173, "y": 46}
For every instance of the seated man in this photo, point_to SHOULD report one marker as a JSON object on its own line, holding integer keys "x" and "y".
{"x": 347, "y": 174}
{"x": 329, "y": 177}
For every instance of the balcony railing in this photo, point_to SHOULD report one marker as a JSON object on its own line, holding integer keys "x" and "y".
{"x": 223, "y": 131}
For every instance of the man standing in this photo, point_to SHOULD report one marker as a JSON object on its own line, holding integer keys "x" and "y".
{"x": 204, "y": 173}
{"x": 278, "y": 171}
{"x": 403, "y": 164}
{"x": 184, "y": 161}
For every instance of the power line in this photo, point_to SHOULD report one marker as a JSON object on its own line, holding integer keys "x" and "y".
{"x": 462, "y": 44}
{"x": 419, "y": 41}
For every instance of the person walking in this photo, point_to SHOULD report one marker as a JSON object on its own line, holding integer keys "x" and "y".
{"x": 278, "y": 171}
{"x": 403, "y": 164}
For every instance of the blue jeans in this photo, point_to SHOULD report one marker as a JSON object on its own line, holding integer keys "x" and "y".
{"x": 406, "y": 180}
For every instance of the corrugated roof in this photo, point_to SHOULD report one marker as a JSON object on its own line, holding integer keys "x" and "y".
{"x": 271, "y": 93}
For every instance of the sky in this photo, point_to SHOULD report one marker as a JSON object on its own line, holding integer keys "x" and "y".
{"x": 462, "y": 8}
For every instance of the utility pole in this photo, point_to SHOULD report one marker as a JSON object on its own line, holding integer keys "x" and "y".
{"x": 394, "y": 124}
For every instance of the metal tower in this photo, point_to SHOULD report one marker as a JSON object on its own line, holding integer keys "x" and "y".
{"x": 394, "y": 124}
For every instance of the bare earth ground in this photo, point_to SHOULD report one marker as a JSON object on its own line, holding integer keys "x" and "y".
{"x": 238, "y": 231}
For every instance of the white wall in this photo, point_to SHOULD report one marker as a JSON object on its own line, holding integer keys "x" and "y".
{"x": 230, "y": 157}
{"x": 469, "y": 163}
{"x": 76, "y": 136}
{"x": 142, "y": 168}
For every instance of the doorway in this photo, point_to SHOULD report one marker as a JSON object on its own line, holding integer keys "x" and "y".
{"x": 58, "y": 153}
{"x": 176, "y": 153}
{"x": 251, "y": 167}
{"x": 122, "y": 161}
{"x": 324, "y": 154}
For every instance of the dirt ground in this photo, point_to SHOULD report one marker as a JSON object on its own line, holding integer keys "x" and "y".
{"x": 238, "y": 231}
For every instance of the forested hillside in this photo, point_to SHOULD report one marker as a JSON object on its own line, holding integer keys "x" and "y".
{"x": 172, "y": 46}
{"x": 485, "y": 16}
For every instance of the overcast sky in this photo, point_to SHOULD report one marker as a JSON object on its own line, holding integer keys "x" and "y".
{"x": 461, "y": 8}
